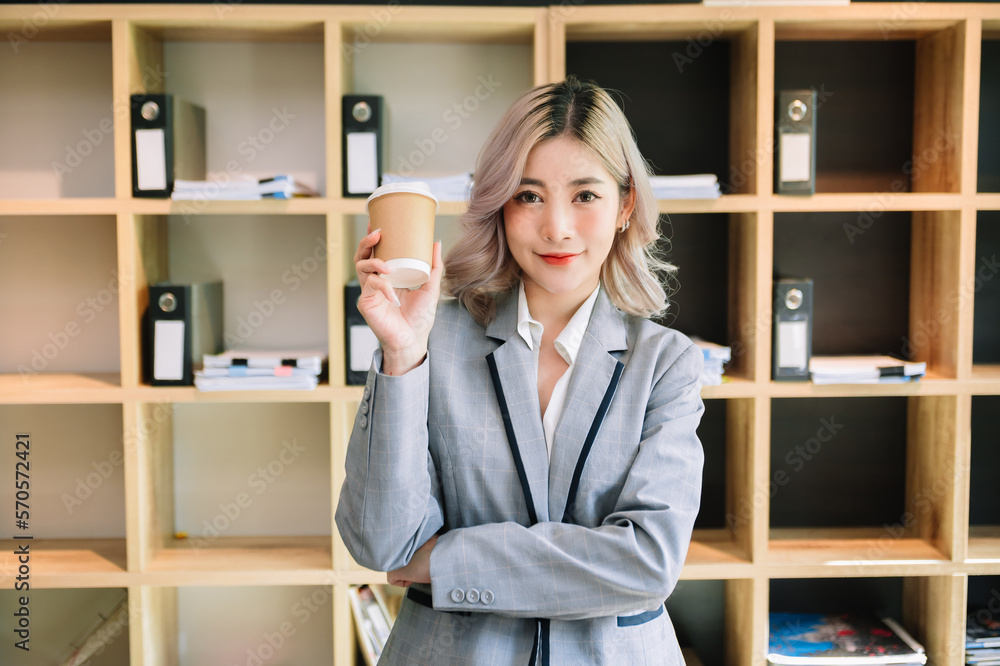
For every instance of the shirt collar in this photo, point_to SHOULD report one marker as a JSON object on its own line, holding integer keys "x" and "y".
{"x": 569, "y": 340}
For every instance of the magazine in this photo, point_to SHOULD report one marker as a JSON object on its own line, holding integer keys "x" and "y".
{"x": 814, "y": 638}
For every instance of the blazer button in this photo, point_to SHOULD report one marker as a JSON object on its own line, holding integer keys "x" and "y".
{"x": 363, "y": 422}
{"x": 486, "y": 597}
{"x": 368, "y": 393}
{"x": 472, "y": 596}
{"x": 458, "y": 595}
{"x": 364, "y": 407}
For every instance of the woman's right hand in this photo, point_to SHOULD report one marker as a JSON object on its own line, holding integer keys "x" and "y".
{"x": 401, "y": 319}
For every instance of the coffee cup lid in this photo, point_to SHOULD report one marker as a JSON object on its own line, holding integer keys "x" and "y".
{"x": 413, "y": 187}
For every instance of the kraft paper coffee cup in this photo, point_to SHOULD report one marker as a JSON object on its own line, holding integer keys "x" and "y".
{"x": 405, "y": 213}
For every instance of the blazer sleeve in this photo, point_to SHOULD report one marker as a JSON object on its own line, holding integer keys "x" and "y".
{"x": 390, "y": 503}
{"x": 627, "y": 564}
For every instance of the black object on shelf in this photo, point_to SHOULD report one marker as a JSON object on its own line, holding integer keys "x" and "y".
{"x": 793, "y": 324}
{"x": 795, "y": 158}
{"x": 182, "y": 323}
{"x": 363, "y": 144}
{"x": 168, "y": 143}
{"x": 359, "y": 340}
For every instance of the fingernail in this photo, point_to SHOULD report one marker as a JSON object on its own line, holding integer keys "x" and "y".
{"x": 375, "y": 231}
{"x": 395, "y": 299}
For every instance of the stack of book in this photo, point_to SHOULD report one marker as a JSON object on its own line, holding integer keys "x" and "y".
{"x": 864, "y": 370}
{"x": 282, "y": 186}
{"x": 372, "y": 620}
{"x": 259, "y": 370}
{"x": 697, "y": 186}
{"x": 982, "y": 639}
{"x": 445, "y": 188}
{"x": 839, "y": 640}
{"x": 716, "y": 356}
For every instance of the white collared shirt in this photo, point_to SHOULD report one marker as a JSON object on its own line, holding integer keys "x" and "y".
{"x": 567, "y": 345}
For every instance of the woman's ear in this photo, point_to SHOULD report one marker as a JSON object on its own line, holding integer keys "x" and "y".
{"x": 628, "y": 205}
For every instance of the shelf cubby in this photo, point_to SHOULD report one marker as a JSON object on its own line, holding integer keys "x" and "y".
{"x": 721, "y": 546}
{"x": 57, "y": 122}
{"x": 63, "y": 620}
{"x": 923, "y": 605}
{"x": 260, "y": 83}
{"x": 274, "y": 271}
{"x": 700, "y": 285}
{"x": 707, "y": 297}
{"x": 985, "y": 290}
{"x": 837, "y": 447}
{"x": 983, "y": 597}
{"x": 984, "y": 466}
{"x": 61, "y": 307}
{"x": 435, "y": 125}
{"x": 988, "y": 175}
{"x": 76, "y": 494}
{"x": 695, "y": 113}
{"x": 210, "y": 519}
{"x": 697, "y": 610}
{"x": 842, "y": 264}
{"x": 906, "y": 263}
{"x": 893, "y": 457}
{"x": 223, "y": 625}
{"x": 712, "y": 434}
{"x": 880, "y": 126}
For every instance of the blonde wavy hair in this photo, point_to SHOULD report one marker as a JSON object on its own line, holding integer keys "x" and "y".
{"x": 480, "y": 266}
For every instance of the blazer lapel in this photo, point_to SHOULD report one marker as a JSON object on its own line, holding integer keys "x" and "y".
{"x": 515, "y": 366}
{"x": 592, "y": 374}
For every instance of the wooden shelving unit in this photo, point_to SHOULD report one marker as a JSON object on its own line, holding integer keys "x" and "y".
{"x": 77, "y": 249}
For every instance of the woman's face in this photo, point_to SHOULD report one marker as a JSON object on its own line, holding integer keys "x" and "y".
{"x": 563, "y": 218}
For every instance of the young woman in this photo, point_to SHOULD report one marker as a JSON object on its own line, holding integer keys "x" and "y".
{"x": 524, "y": 457}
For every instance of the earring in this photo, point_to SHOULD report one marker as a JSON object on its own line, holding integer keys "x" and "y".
{"x": 624, "y": 227}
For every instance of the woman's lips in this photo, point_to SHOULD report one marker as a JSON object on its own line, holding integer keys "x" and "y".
{"x": 558, "y": 259}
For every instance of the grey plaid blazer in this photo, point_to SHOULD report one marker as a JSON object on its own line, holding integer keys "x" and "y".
{"x": 514, "y": 583}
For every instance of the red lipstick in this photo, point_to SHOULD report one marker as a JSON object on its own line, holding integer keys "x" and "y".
{"x": 558, "y": 259}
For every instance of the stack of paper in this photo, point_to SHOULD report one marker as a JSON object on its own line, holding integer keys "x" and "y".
{"x": 697, "y": 186}
{"x": 445, "y": 188}
{"x": 282, "y": 186}
{"x": 257, "y": 370}
{"x": 864, "y": 370}
{"x": 839, "y": 640}
{"x": 716, "y": 356}
{"x": 982, "y": 639}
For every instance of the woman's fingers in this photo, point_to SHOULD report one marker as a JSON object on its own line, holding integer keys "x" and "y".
{"x": 377, "y": 282}
{"x": 367, "y": 267}
{"x": 364, "y": 261}
{"x": 394, "y": 579}
{"x": 437, "y": 266}
{"x": 369, "y": 241}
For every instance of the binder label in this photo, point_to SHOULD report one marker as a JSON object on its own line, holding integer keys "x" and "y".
{"x": 792, "y": 344}
{"x": 363, "y": 346}
{"x": 362, "y": 162}
{"x": 168, "y": 349}
{"x": 795, "y": 158}
{"x": 151, "y": 159}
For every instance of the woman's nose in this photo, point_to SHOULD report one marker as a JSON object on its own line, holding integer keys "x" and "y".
{"x": 556, "y": 222}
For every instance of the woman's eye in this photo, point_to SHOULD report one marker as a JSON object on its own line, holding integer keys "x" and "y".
{"x": 528, "y": 197}
{"x": 587, "y": 197}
